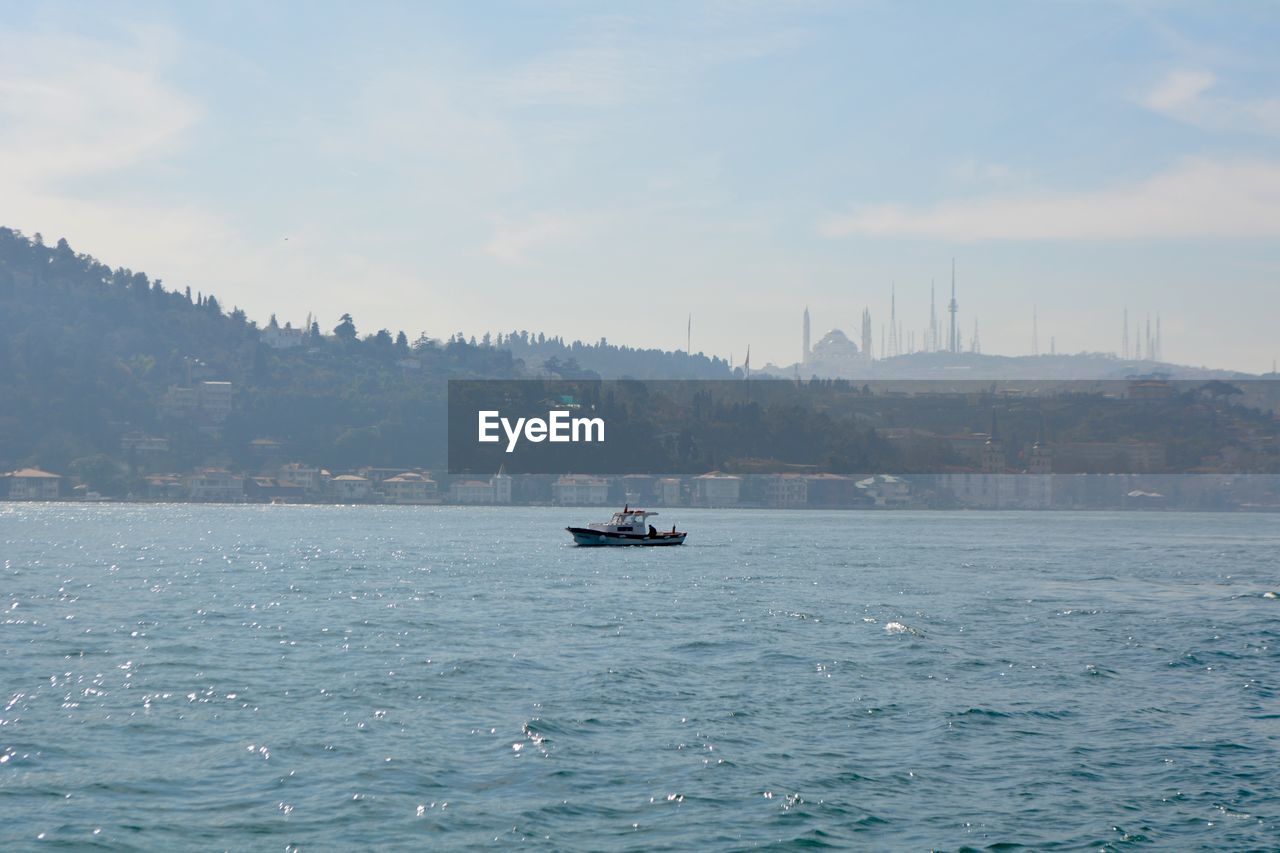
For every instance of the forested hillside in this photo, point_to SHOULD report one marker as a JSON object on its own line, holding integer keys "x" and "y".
{"x": 580, "y": 360}
{"x": 88, "y": 354}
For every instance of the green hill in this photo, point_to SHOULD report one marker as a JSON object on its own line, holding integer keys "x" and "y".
{"x": 90, "y": 357}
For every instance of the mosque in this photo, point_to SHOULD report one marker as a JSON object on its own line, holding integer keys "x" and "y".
{"x": 835, "y": 353}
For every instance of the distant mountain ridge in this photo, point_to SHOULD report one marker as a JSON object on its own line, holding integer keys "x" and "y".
{"x": 944, "y": 365}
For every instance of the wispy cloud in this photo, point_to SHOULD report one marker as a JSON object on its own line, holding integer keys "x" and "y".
{"x": 79, "y": 119}
{"x": 518, "y": 240}
{"x": 71, "y": 106}
{"x": 614, "y": 62}
{"x": 1191, "y": 96}
{"x": 1196, "y": 199}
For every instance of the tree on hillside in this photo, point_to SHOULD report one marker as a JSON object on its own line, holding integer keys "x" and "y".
{"x": 346, "y": 329}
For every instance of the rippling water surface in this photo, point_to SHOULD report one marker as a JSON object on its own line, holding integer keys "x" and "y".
{"x": 255, "y": 677}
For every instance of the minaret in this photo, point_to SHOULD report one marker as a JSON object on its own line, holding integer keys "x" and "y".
{"x": 1124, "y": 343}
{"x": 1159, "y": 343}
{"x": 1148, "y": 348}
{"x": 867, "y": 352}
{"x": 1035, "y": 332}
{"x": 805, "y": 358}
{"x": 953, "y": 339}
{"x": 931, "y": 341}
{"x": 894, "y": 343}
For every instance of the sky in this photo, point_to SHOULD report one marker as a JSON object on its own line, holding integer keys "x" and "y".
{"x": 605, "y": 170}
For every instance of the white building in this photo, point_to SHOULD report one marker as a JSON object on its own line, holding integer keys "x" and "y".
{"x": 471, "y": 492}
{"x": 409, "y": 488}
{"x": 717, "y": 489}
{"x": 215, "y": 400}
{"x": 350, "y": 487}
{"x": 278, "y": 338}
{"x": 32, "y": 484}
{"x": 580, "y": 490}
{"x": 998, "y": 491}
{"x": 311, "y": 479}
{"x": 216, "y": 484}
{"x": 209, "y": 402}
{"x": 788, "y": 491}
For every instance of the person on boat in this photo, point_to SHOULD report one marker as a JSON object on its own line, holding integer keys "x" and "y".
{"x": 653, "y": 532}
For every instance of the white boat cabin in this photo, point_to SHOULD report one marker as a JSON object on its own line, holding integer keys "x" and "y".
{"x": 626, "y": 521}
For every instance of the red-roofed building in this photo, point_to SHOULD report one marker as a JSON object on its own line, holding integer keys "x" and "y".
{"x": 32, "y": 484}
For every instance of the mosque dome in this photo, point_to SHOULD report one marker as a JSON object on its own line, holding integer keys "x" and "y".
{"x": 835, "y": 346}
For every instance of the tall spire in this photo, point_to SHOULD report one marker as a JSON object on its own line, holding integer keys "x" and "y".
{"x": 953, "y": 338}
{"x": 895, "y": 345}
{"x": 1035, "y": 332}
{"x": 1159, "y": 343}
{"x": 931, "y": 341}
{"x": 1124, "y": 343}
{"x": 975, "y": 345}
{"x": 807, "y": 351}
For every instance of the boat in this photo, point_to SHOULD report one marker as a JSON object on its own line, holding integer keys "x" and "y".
{"x": 628, "y": 527}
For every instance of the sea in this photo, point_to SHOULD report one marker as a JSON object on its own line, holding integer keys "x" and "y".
{"x": 335, "y": 677}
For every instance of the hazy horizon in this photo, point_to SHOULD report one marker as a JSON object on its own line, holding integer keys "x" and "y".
{"x": 604, "y": 171}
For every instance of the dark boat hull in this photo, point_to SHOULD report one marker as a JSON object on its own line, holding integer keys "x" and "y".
{"x": 592, "y": 538}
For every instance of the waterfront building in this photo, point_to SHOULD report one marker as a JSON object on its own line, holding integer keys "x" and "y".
{"x": 580, "y": 490}
{"x": 787, "y": 491}
{"x": 409, "y": 487}
{"x": 717, "y": 489}
{"x": 32, "y": 484}
{"x": 350, "y": 487}
{"x": 215, "y": 484}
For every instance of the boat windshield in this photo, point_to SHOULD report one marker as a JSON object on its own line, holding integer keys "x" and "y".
{"x": 635, "y": 516}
